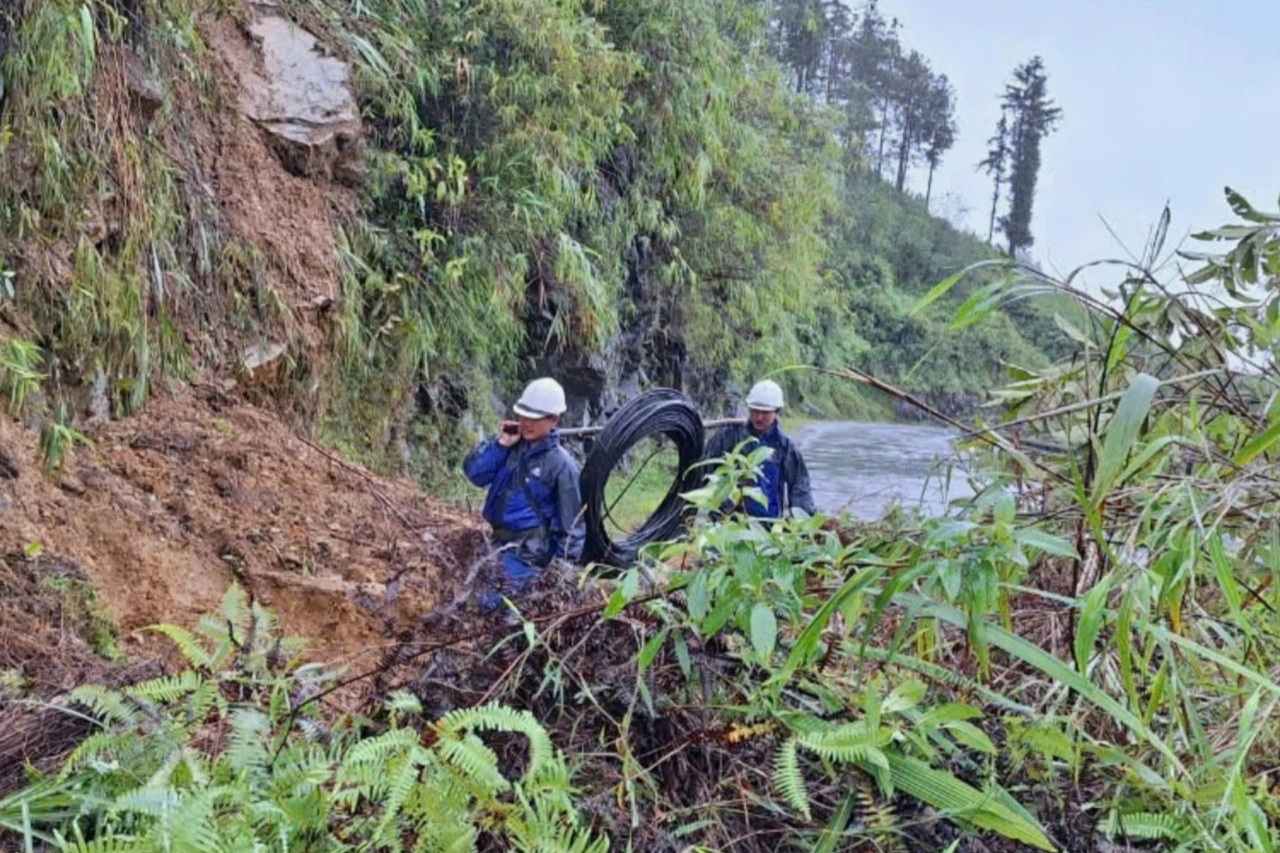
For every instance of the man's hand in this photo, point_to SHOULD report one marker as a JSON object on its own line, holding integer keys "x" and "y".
{"x": 509, "y": 434}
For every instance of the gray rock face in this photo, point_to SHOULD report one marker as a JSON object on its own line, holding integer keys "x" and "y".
{"x": 302, "y": 98}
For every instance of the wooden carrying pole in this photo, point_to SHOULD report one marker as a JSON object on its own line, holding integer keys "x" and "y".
{"x": 583, "y": 432}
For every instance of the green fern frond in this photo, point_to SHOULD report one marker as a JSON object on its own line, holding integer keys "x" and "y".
{"x": 107, "y": 844}
{"x": 104, "y": 748}
{"x": 235, "y": 610}
{"x": 1147, "y": 826}
{"x": 788, "y": 778}
{"x": 265, "y": 623}
{"x": 247, "y": 749}
{"x": 494, "y": 717}
{"x": 403, "y": 702}
{"x": 379, "y": 750}
{"x": 446, "y": 836}
{"x": 153, "y": 802}
{"x": 166, "y": 690}
{"x": 550, "y": 823}
{"x": 109, "y": 706}
{"x": 312, "y": 730}
{"x": 187, "y": 644}
{"x": 850, "y": 744}
{"x": 293, "y": 646}
{"x": 298, "y": 772}
{"x": 190, "y": 826}
{"x": 195, "y": 764}
{"x": 560, "y": 839}
{"x": 475, "y": 761}
{"x": 204, "y": 700}
{"x": 399, "y": 786}
{"x": 217, "y": 633}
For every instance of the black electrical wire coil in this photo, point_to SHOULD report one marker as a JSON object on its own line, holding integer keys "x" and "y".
{"x": 659, "y": 411}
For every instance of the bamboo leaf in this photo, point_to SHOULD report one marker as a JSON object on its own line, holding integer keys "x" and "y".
{"x": 1045, "y": 542}
{"x": 943, "y": 287}
{"x": 1259, "y": 444}
{"x": 1051, "y": 666}
{"x": 1122, "y": 432}
{"x": 651, "y": 649}
{"x": 971, "y": 736}
{"x": 1093, "y": 612}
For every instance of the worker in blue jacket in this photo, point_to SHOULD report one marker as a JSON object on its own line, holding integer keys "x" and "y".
{"x": 783, "y": 478}
{"x": 534, "y": 503}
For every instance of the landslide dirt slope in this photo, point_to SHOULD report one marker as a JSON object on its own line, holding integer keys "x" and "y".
{"x": 169, "y": 506}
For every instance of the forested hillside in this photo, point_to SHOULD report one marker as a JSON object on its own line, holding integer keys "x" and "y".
{"x": 624, "y": 195}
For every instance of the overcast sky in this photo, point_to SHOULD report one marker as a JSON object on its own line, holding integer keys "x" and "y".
{"x": 1163, "y": 100}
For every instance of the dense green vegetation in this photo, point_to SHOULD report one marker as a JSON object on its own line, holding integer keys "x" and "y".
{"x": 648, "y": 192}
{"x": 1081, "y": 655}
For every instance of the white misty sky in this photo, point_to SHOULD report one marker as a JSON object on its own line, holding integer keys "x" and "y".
{"x": 1163, "y": 100}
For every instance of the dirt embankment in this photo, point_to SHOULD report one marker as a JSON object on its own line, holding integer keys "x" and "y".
{"x": 153, "y": 521}
{"x": 170, "y": 506}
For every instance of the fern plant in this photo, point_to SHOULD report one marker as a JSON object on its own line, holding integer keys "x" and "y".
{"x": 221, "y": 757}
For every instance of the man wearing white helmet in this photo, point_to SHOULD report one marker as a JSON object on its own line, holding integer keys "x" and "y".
{"x": 534, "y": 503}
{"x": 783, "y": 478}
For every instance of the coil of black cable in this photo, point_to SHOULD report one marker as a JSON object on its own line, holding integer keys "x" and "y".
{"x": 659, "y": 411}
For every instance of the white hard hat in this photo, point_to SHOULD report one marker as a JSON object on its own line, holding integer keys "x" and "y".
{"x": 765, "y": 394}
{"x": 542, "y": 398}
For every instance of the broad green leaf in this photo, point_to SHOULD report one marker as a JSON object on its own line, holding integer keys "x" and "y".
{"x": 1226, "y": 579}
{"x": 1226, "y": 232}
{"x": 981, "y": 304}
{"x": 623, "y": 594}
{"x": 834, "y": 830}
{"x": 1241, "y": 207}
{"x": 682, "y": 656}
{"x": 1260, "y": 679}
{"x": 651, "y": 649}
{"x": 936, "y": 292}
{"x": 1122, "y": 432}
{"x": 957, "y": 799}
{"x": 1148, "y": 452}
{"x": 949, "y": 712}
{"x": 88, "y": 38}
{"x": 1045, "y": 542}
{"x": 971, "y": 736}
{"x": 764, "y": 628}
{"x": 699, "y": 595}
{"x": 808, "y": 639}
{"x": 617, "y": 601}
{"x": 904, "y": 697}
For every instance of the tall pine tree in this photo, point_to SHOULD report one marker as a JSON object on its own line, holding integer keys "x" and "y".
{"x": 939, "y": 131}
{"x": 996, "y": 164}
{"x": 1034, "y": 116}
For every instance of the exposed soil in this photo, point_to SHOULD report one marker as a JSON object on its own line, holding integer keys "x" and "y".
{"x": 287, "y": 217}
{"x": 170, "y": 506}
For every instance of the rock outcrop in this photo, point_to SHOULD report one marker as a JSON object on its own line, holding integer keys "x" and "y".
{"x": 303, "y": 98}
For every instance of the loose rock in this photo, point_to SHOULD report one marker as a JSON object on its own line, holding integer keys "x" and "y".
{"x": 303, "y": 99}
